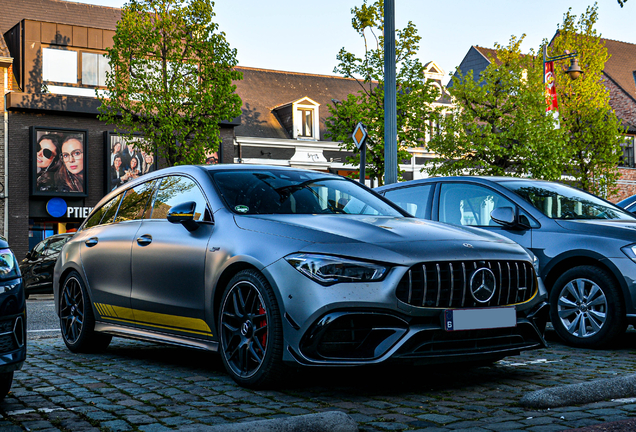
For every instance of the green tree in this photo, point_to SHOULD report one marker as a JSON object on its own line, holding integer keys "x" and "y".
{"x": 499, "y": 126}
{"x": 171, "y": 78}
{"x": 592, "y": 126}
{"x": 414, "y": 94}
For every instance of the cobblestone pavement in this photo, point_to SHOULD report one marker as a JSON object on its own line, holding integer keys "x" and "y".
{"x": 137, "y": 386}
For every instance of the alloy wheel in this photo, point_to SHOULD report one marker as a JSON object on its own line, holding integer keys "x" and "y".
{"x": 72, "y": 310}
{"x": 244, "y": 329}
{"x": 582, "y": 307}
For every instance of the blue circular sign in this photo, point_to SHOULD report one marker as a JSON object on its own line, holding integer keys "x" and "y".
{"x": 56, "y": 207}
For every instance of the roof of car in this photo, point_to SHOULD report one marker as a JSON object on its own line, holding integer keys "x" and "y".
{"x": 496, "y": 179}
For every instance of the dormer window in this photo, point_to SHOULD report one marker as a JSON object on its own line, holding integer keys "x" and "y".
{"x": 306, "y": 123}
{"x": 300, "y": 119}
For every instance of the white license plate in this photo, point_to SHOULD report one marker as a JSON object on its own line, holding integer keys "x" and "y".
{"x": 477, "y": 319}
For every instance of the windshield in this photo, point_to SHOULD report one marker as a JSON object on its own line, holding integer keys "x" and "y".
{"x": 558, "y": 201}
{"x": 296, "y": 192}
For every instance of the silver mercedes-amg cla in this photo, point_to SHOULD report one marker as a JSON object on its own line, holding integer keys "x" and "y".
{"x": 277, "y": 267}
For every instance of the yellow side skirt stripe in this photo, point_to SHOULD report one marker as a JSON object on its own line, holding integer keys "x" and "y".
{"x": 153, "y": 319}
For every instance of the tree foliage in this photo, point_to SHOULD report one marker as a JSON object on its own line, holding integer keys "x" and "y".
{"x": 593, "y": 128}
{"x": 414, "y": 95}
{"x": 171, "y": 78}
{"x": 499, "y": 126}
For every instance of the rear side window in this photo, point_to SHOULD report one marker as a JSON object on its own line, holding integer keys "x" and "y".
{"x": 104, "y": 214}
{"x": 135, "y": 201}
{"x": 412, "y": 199}
{"x": 175, "y": 190}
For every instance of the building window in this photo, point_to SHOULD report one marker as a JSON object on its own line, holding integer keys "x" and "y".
{"x": 306, "y": 126}
{"x": 94, "y": 69}
{"x": 627, "y": 159}
{"x": 59, "y": 65}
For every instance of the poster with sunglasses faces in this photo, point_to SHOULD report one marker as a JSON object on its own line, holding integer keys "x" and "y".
{"x": 58, "y": 162}
{"x": 125, "y": 160}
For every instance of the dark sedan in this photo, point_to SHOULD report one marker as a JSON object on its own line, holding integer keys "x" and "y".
{"x": 279, "y": 266}
{"x": 12, "y": 318}
{"x": 37, "y": 266}
{"x": 586, "y": 246}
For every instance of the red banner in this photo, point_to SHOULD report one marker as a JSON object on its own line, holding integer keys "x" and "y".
{"x": 550, "y": 88}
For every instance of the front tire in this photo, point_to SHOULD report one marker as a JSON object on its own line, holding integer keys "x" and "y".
{"x": 77, "y": 321}
{"x": 251, "y": 331}
{"x": 6, "y": 379}
{"x": 586, "y": 307}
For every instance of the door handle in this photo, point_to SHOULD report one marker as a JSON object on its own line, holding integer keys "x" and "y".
{"x": 91, "y": 241}
{"x": 144, "y": 240}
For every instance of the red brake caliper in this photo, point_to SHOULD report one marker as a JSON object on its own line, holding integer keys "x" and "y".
{"x": 263, "y": 323}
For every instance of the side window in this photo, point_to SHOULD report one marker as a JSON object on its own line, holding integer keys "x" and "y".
{"x": 133, "y": 205}
{"x": 467, "y": 204}
{"x": 55, "y": 246}
{"x": 109, "y": 215}
{"x": 175, "y": 190}
{"x": 412, "y": 199}
{"x": 109, "y": 208}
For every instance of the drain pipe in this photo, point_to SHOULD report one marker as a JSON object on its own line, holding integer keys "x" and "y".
{"x": 5, "y": 192}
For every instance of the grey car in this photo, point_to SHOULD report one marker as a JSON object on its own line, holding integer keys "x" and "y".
{"x": 279, "y": 267}
{"x": 586, "y": 246}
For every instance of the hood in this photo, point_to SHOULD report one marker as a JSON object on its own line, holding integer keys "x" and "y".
{"x": 385, "y": 238}
{"x": 617, "y": 229}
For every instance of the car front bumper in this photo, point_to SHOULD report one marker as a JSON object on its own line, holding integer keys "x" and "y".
{"x": 12, "y": 326}
{"x": 365, "y": 323}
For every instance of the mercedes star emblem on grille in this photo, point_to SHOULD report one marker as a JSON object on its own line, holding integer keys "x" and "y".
{"x": 482, "y": 285}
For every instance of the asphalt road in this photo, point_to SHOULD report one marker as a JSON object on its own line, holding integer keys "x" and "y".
{"x": 42, "y": 321}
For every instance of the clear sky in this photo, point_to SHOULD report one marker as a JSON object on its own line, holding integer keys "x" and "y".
{"x": 305, "y": 36}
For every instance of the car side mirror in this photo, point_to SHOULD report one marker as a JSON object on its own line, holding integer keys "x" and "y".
{"x": 506, "y": 216}
{"x": 184, "y": 214}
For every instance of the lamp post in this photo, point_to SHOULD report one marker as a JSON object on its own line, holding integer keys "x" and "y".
{"x": 390, "y": 105}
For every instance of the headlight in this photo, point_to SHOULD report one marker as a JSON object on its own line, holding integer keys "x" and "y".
{"x": 8, "y": 265}
{"x": 630, "y": 251}
{"x": 327, "y": 269}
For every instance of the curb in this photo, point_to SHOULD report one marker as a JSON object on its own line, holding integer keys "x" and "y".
{"x": 583, "y": 393}
{"x": 330, "y": 421}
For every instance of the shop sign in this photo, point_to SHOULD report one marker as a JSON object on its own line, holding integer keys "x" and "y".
{"x": 58, "y": 208}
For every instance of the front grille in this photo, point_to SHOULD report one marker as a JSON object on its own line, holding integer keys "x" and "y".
{"x": 445, "y": 284}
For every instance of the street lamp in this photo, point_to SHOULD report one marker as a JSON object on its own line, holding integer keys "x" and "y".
{"x": 549, "y": 82}
{"x": 574, "y": 71}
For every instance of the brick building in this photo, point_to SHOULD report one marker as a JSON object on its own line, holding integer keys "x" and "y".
{"x": 620, "y": 79}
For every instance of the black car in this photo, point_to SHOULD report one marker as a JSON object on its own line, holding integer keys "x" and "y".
{"x": 628, "y": 204}
{"x": 37, "y": 266}
{"x": 12, "y": 318}
{"x": 586, "y": 246}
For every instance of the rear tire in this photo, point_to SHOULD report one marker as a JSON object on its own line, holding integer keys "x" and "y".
{"x": 77, "y": 321}
{"x": 251, "y": 331}
{"x": 586, "y": 307}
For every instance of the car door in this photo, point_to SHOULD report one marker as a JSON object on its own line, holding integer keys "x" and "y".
{"x": 168, "y": 263}
{"x": 107, "y": 252}
{"x": 470, "y": 204}
{"x": 49, "y": 256}
{"x": 31, "y": 266}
